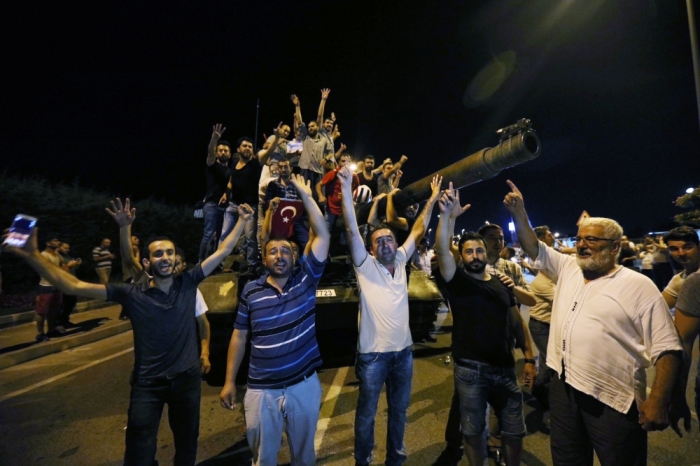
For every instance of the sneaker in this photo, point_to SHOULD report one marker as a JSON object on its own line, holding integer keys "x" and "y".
{"x": 450, "y": 456}
{"x": 42, "y": 337}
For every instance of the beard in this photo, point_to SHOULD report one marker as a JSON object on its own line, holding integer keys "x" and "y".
{"x": 596, "y": 262}
{"x": 475, "y": 266}
{"x": 157, "y": 272}
{"x": 278, "y": 269}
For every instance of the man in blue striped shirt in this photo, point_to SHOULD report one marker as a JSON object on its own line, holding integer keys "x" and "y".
{"x": 278, "y": 311}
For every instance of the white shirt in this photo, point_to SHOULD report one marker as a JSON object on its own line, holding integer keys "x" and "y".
{"x": 606, "y": 331}
{"x": 200, "y": 305}
{"x": 383, "y": 306}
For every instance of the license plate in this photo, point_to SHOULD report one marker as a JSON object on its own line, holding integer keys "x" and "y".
{"x": 325, "y": 293}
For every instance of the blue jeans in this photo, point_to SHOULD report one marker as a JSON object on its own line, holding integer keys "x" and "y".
{"x": 478, "y": 384}
{"x": 213, "y": 221}
{"x": 182, "y": 393}
{"x": 293, "y": 409}
{"x": 373, "y": 370}
{"x": 250, "y": 233}
{"x": 540, "y": 335}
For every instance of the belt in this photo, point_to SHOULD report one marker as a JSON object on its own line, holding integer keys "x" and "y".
{"x": 468, "y": 364}
{"x": 306, "y": 376}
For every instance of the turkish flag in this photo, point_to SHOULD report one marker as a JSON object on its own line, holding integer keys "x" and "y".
{"x": 286, "y": 215}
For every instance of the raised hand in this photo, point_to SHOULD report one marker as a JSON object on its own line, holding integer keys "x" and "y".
{"x": 345, "y": 176}
{"x": 274, "y": 204}
{"x": 403, "y": 159}
{"x": 514, "y": 200}
{"x": 435, "y": 185}
{"x": 333, "y": 117}
{"x": 217, "y": 131}
{"x": 30, "y": 246}
{"x": 324, "y": 93}
{"x": 295, "y": 100}
{"x": 343, "y": 147}
{"x": 278, "y": 131}
{"x": 302, "y": 185}
{"x": 335, "y": 134}
{"x": 457, "y": 209}
{"x": 245, "y": 212}
{"x": 123, "y": 215}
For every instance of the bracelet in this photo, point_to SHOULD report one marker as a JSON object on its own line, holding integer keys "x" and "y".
{"x": 530, "y": 361}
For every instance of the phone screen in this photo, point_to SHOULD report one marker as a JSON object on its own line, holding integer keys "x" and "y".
{"x": 20, "y": 230}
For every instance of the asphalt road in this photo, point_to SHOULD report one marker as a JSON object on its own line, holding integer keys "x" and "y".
{"x": 70, "y": 408}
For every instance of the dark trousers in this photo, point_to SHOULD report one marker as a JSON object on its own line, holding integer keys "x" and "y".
{"x": 182, "y": 393}
{"x": 69, "y": 302}
{"x": 453, "y": 431}
{"x": 540, "y": 335}
{"x": 663, "y": 273}
{"x": 581, "y": 424}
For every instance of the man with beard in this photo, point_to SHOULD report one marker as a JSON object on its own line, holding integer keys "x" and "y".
{"x": 384, "y": 344}
{"x": 166, "y": 357}
{"x": 218, "y": 174}
{"x": 315, "y": 147}
{"x": 367, "y": 176}
{"x": 485, "y": 321}
{"x": 684, "y": 248}
{"x": 283, "y": 188}
{"x": 245, "y": 170}
{"x": 278, "y": 311}
{"x": 608, "y": 325}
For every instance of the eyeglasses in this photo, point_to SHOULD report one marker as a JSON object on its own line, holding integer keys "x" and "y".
{"x": 590, "y": 239}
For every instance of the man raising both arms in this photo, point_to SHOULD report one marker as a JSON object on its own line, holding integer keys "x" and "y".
{"x": 384, "y": 345}
{"x": 278, "y": 312}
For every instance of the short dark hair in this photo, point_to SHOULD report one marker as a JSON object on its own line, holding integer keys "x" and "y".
{"x": 180, "y": 252}
{"x": 470, "y": 236}
{"x": 684, "y": 233}
{"x": 488, "y": 226}
{"x": 145, "y": 250}
{"x": 278, "y": 239}
{"x": 284, "y": 158}
{"x": 242, "y": 140}
{"x": 371, "y": 157}
{"x": 382, "y": 226}
{"x": 541, "y": 231}
{"x": 224, "y": 143}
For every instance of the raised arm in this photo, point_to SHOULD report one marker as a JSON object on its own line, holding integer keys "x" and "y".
{"x": 355, "y": 243}
{"x": 421, "y": 224}
{"x": 449, "y": 211}
{"x": 392, "y": 218}
{"x": 125, "y": 216}
{"x": 340, "y": 151}
{"x": 62, "y": 280}
{"x": 395, "y": 167}
{"x": 264, "y": 154}
{"x": 322, "y": 238}
{"x": 245, "y": 214}
{"x": 267, "y": 222}
{"x": 217, "y": 131}
{"x": 372, "y": 217}
{"x": 322, "y": 106}
{"x": 297, "y": 112}
{"x": 526, "y": 235}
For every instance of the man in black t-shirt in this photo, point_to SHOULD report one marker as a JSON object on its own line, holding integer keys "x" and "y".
{"x": 218, "y": 175}
{"x": 486, "y": 320}
{"x": 166, "y": 356}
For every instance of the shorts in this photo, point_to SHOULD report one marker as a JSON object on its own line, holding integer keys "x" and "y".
{"x": 478, "y": 384}
{"x": 48, "y": 299}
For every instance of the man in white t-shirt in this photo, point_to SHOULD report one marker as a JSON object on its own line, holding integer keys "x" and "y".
{"x": 384, "y": 346}
{"x": 608, "y": 325}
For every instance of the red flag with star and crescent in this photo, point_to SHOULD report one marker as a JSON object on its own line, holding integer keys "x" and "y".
{"x": 286, "y": 215}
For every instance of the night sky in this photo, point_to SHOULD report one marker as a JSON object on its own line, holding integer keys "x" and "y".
{"x": 122, "y": 95}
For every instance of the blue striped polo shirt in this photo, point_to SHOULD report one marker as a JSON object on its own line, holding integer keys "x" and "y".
{"x": 282, "y": 326}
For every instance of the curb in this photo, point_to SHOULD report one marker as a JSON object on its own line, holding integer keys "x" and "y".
{"x": 39, "y": 350}
{"x": 20, "y": 318}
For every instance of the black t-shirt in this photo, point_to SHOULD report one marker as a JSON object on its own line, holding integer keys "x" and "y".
{"x": 245, "y": 183}
{"x": 371, "y": 183}
{"x": 165, "y": 330}
{"x": 217, "y": 180}
{"x": 481, "y": 325}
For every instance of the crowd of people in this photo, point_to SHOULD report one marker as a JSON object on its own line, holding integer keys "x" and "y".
{"x": 597, "y": 324}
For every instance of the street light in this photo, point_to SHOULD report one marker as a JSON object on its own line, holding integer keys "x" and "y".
{"x": 689, "y": 190}
{"x": 556, "y": 235}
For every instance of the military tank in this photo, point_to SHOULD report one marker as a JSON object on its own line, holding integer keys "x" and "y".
{"x": 337, "y": 300}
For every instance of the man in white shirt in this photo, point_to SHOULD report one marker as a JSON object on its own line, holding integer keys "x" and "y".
{"x": 608, "y": 325}
{"x": 384, "y": 346}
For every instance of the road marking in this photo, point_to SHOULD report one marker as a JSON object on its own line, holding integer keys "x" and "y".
{"x": 328, "y": 406}
{"x": 65, "y": 374}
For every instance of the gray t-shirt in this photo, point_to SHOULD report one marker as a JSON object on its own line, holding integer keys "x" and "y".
{"x": 689, "y": 297}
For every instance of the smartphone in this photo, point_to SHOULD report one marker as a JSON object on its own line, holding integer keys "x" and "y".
{"x": 20, "y": 230}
